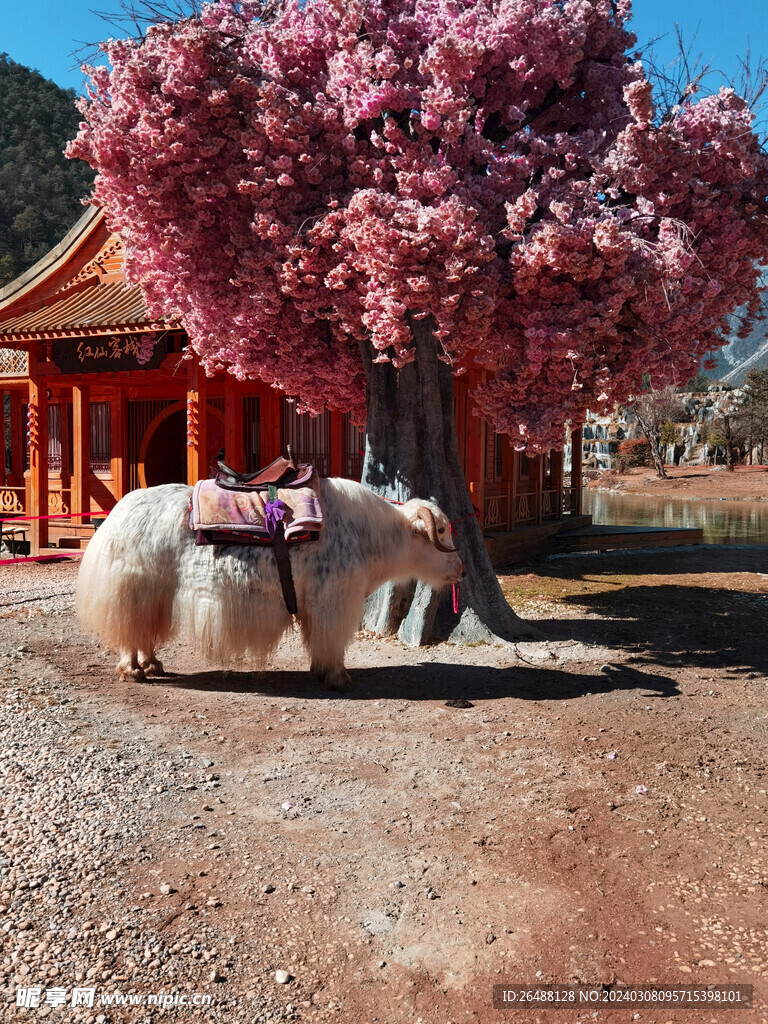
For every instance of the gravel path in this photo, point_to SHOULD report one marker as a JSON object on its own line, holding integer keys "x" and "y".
{"x": 591, "y": 808}
{"x": 82, "y": 810}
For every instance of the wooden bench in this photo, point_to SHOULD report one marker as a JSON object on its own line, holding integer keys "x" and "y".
{"x": 14, "y": 535}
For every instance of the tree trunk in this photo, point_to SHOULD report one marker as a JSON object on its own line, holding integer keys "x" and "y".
{"x": 654, "y": 443}
{"x": 730, "y": 449}
{"x": 411, "y": 451}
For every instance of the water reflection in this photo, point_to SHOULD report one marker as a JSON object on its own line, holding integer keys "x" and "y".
{"x": 723, "y": 522}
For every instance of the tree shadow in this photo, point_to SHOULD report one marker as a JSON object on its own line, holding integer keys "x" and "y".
{"x": 671, "y": 626}
{"x": 434, "y": 681}
{"x": 698, "y": 558}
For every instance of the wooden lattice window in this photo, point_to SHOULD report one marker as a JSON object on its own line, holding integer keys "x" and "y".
{"x": 54, "y": 437}
{"x": 494, "y": 455}
{"x": 354, "y": 450}
{"x": 101, "y": 437}
{"x": 252, "y": 433}
{"x": 308, "y": 436}
{"x": 13, "y": 363}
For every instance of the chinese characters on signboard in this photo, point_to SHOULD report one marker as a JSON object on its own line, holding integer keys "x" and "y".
{"x": 117, "y": 352}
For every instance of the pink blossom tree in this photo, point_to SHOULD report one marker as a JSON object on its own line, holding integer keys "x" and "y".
{"x": 354, "y": 200}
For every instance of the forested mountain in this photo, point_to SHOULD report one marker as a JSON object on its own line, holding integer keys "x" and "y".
{"x": 40, "y": 191}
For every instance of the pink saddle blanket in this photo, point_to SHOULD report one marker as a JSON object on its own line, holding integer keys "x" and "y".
{"x": 243, "y": 515}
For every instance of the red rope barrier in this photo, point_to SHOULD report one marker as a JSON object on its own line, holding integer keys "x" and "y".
{"x": 11, "y": 520}
{"x": 472, "y": 515}
{"x": 63, "y": 553}
{"x": 12, "y": 517}
{"x": 475, "y": 514}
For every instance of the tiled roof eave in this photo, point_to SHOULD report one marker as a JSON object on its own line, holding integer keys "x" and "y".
{"x": 10, "y": 339}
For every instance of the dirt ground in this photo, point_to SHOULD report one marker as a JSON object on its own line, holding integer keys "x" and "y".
{"x": 594, "y": 809}
{"x": 745, "y": 483}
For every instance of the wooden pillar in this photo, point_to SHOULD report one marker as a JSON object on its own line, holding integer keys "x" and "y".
{"x": 37, "y": 427}
{"x": 475, "y": 450}
{"x": 234, "y": 448}
{"x": 197, "y": 440}
{"x": 81, "y": 439}
{"x": 513, "y": 489}
{"x": 119, "y": 434}
{"x": 2, "y": 439}
{"x": 576, "y": 481}
{"x": 337, "y": 444}
{"x": 538, "y": 476}
{"x": 557, "y": 481}
{"x": 16, "y": 478}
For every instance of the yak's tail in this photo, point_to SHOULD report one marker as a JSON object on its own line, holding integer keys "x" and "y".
{"x": 127, "y": 579}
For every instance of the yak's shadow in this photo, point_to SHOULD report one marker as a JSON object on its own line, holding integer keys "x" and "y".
{"x": 436, "y": 681}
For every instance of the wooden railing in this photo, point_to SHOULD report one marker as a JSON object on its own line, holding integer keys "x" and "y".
{"x": 526, "y": 511}
{"x": 12, "y": 501}
{"x": 59, "y": 502}
{"x": 570, "y": 497}
{"x": 504, "y": 510}
{"x": 496, "y": 511}
{"x": 550, "y": 506}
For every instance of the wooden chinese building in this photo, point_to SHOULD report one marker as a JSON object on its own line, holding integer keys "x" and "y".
{"x": 100, "y": 400}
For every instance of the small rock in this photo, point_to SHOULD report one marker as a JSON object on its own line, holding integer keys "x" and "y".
{"x": 489, "y": 938}
{"x": 267, "y": 888}
{"x": 282, "y": 977}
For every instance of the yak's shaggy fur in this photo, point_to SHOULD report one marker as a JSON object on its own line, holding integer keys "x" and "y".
{"x": 143, "y": 579}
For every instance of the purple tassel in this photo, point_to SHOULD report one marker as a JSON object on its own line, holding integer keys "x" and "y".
{"x": 274, "y": 513}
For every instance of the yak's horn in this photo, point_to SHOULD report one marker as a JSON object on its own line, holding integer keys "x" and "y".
{"x": 427, "y": 517}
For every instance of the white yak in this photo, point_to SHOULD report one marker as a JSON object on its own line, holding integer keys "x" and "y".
{"x": 143, "y": 579}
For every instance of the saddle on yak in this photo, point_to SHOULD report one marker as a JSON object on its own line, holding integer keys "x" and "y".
{"x": 278, "y": 505}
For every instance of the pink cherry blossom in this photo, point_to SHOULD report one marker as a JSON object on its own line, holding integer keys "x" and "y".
{"x": 297, "y": 186}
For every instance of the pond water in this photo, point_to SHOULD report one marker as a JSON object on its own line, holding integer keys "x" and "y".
{"x": 723, "y": 522}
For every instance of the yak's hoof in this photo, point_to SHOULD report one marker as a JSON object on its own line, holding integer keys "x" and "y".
{"x": 339, "y": 681}
{"x": 153, "y": 667}
{"x": 137, "y": 674}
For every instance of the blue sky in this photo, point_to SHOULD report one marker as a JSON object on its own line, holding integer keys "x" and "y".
{"x": 43, "y": 34}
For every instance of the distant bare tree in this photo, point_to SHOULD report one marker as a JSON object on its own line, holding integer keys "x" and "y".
{"x": 656, "y": 411}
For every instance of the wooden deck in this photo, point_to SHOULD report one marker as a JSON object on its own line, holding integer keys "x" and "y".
{"x": 612, "y": 538}
{"x": 508, "y": 546}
